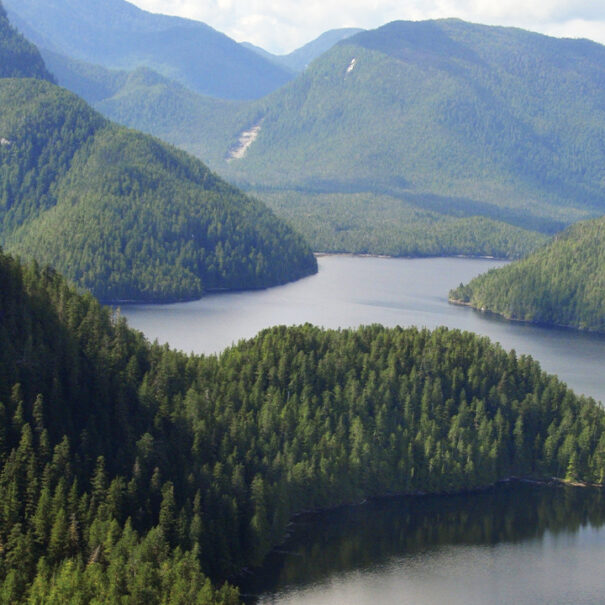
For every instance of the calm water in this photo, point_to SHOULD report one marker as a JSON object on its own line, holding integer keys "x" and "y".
{"x": 350, "y": 291}
{"x": 514, "y": 544}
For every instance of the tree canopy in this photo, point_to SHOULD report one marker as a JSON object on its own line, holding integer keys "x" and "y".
{"x": 18, "y": 57}
{"x": 563, "y": 283}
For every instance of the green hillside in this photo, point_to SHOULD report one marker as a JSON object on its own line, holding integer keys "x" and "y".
{"x": 488, "y": 121}
{"x": 117, "y": 34}
{"x": 123, "y": 214}
{"x": 130, "y": 473}
{"x": 562, "y": 284}
{"x": 145, "y": 100}
{"x": 443, "y": 121}
{"x": 18, "y": 57}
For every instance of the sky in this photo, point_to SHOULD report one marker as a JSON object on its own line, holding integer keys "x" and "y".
{"x": 281, "y": 26}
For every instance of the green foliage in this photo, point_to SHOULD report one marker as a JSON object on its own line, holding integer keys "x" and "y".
{"x": 129, "y": 471}
{"x": 18, "y": 57}
{"x": 563, "y": 283}
{"x": 490, "y": 115}
{"x": 380, "y": 224}
{"x": 124, "y": 215}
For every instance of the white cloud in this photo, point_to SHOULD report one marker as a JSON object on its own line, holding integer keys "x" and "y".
{"x": 281, "y": 26}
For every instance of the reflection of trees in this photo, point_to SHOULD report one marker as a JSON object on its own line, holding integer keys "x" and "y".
{"x": 351, "y": 538}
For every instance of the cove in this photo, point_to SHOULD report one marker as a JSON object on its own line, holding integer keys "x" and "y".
{"x": 513, "y": 543}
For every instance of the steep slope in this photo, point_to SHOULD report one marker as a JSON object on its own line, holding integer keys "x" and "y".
{"x": 448, "y": 117}
{"x": 115, "y": 33}
{"x": 127, "y": 470}
{"x": 150, "y": 102}
{"x": 563, "y": 283}
{"x": 124, "y": 215}
{"x": 18, "y": 57}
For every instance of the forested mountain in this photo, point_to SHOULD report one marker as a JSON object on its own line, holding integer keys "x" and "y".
{"x": 117, "y": 34}
{"x": 128, "y": 471}
{"x": 394, "y": 139}
{"x": 449, "y": 116}
{"x": 563, "y": 283}
{"x": 122, "y": 214}
{"x": 125, "y": 215}
{"x": 148, "y": 101}
{"x": 298, "y": 59}
{"x": 18, "y": 57}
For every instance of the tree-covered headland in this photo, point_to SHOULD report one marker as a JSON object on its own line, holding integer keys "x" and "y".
{"x": 563, "y": 283}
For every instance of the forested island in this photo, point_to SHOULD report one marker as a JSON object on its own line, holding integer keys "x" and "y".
{"x": 133, "y": 472}
{"x": 121, "y": 213}
{"x": 561, "y": 284}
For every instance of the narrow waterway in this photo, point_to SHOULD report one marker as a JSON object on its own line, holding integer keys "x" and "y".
{"x": 351, "y": 291}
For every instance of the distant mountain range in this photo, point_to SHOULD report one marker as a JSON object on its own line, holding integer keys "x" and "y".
{"x": 563, "y": 283}
{"x": 117, "y": 34}
{"x": 417, "y": 138}
{"x": 119, "y": 212}
{"x": 450, "y": 116}
{"x": 298, "y": 59}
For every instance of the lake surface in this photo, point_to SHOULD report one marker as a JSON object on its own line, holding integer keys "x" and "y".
{"x": 351, "y": 291}
{"x": 514, "y": 544}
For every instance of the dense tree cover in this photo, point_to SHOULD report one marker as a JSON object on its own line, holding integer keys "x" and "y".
{"x": 18, "y": 57}
{"x": 128, "y": 471}
{"x": 380, "y": 224}
{"x": 124, "y": 215}
{"x": 69, "y": 421}
{"x": 454, "y": 118}
{"x": 150, "y": 102}
{"x": 490, "y": 114}
{"x": 563, "y": 283}
{"x": 117, "y": 34}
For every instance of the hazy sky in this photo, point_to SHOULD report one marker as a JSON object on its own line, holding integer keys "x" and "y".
{"x": 283, "y": 25}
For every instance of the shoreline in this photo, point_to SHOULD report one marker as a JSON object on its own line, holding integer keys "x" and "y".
{"x": 527, "y": 322}
{"x": 171, "y": 301}
{"x": 416, "y": 257}
{"x": 551, "y": 482}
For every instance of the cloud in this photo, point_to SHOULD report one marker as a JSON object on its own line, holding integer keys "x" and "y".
{"x": 287, "y": 24}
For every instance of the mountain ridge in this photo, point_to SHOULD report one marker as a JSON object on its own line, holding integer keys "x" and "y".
{"x": 118, "y": 34}
{"x": 298, "y": 59}
{"x": 18, "y": 57}
{"x": 443, "y": 121}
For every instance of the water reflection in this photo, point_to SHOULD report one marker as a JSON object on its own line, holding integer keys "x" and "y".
{"x": 433, "y": 537}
